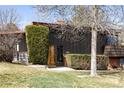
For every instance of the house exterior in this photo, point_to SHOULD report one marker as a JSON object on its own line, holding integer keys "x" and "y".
{"x": 106, "y": 45}
{"x": 20, "y": 53}
{"x": 116, "y": 54}
{"x": 60, "y": 47}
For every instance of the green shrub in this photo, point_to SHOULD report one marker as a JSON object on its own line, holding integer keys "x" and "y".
{"x": 6, "y": 55}
{"x": 82, "y": 61}
{"x": 37, "y": 40}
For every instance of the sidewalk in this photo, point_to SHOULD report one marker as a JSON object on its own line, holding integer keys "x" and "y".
{"x": 45, "y": 67}
{"x": 60, "y": 69}
{"x": 52, "y": 69}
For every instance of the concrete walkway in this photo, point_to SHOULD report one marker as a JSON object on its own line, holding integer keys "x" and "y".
{"x": 45, "y": 67}
{"x": 52, "y": 69}
{"x": 60, "y": 69}
{"x": 37, "y": 66}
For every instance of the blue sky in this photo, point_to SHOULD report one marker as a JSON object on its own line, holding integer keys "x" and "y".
{"x": 27, "y": 13}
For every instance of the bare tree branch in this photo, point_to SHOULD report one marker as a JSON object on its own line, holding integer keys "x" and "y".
{"x": 9, "y": 20}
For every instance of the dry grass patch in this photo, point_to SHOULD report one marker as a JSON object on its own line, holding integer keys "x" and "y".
{"x": 15, "y": 75}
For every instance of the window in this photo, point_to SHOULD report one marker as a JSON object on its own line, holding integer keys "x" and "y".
{"x": 23, "y": 57}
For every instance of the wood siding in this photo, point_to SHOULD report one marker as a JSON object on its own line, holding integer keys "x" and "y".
{"x": 82, "y": 46}
{"x": 22, "y": 44}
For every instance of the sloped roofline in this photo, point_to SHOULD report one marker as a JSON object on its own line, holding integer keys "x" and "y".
{"x": 11, "y": 32}
{"x": 53, "y": 25}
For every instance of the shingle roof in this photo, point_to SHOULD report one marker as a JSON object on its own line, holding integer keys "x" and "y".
{"x": 45, "y": 24}
{"x": 114, "y": 51}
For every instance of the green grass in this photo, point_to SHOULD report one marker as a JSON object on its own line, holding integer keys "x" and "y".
{"x": 15, "y": 76}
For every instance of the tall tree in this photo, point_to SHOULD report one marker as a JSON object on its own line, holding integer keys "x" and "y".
{"x": 94, "y": 40}
{"x": 99, "y": 18}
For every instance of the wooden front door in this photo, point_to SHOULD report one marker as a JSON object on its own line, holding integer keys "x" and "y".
{"x": 60, "y": 61}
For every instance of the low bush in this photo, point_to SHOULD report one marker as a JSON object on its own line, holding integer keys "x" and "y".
{"x": 82, "y": 61}
{"x": 37, "y": 41}
{"x": 6, "y": 56}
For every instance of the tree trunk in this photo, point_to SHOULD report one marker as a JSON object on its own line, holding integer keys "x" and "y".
{"x": 93, "y": 53}
{"x": 94, "y": 40}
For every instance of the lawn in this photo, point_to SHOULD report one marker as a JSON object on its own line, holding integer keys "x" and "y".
{"x": 15, "y": 76}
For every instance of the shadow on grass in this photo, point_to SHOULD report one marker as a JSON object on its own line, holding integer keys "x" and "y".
{"x": 109, "y": 72}
{"x": 101, "y": 72}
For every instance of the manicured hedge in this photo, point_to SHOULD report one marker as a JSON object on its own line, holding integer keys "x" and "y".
{"x": 37, "y": 40}
{"x": 82, "y": 61}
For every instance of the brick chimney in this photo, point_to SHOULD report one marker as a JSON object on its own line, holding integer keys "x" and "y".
{"x": 61, "y": 22}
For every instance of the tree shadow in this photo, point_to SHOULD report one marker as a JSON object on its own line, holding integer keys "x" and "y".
{"x": 109, "y": 72}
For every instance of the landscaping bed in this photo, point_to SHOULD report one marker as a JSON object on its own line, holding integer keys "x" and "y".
{"x": 83, "y": 61}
